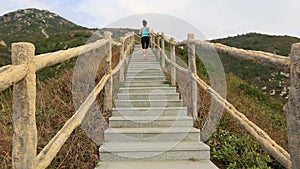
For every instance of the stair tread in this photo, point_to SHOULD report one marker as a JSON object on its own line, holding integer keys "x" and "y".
{"x": 171, "y": 88}
{"x": 121, "y": 94}
{"x": 167, "y": 164}
{"x": 153, "y": 130}
{"x": 154, "y": 146}
{"x": 147, "y": 108}
{"x": 151, "y": 118}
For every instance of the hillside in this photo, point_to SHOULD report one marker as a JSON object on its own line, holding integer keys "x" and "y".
{"x": 280, "y": 45}
{"x": 266, "y": 79}
{"x": 54, "y": 85}
{"x": 46, "y": 30}
{"x": 258, "y": 92}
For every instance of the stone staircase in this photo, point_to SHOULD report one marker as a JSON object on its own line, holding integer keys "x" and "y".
{"x": 149, "y": 127}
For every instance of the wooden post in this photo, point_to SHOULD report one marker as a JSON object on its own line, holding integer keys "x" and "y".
{"x": 193, "y": 85}
{"x": 133, "y": 41}
{"x": 109, "y": 84}
{"x": 173, "y": 60}
{"x": 158, "y": 44}
{"x": 163, "y": 60}
{"x": 122, "y": 69}
{"x": 24, "y": 124}
{"x": 293, "y": 111}
{"x": 153, "y": 42}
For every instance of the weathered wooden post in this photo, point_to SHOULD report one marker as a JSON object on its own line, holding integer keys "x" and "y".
{"x": 24, "y": 98}
{"x": 122, "y": 56}
{"x": 293, "y": 111}
{"x": 158, "y": 45}
{"x": 173, "y": 61}
{"x": 153, "y": 43}
{"x": 163, "y": 61}
{"x": 133, "y": 40}
{"x": 193, "y": 85}
{"x": 109, "y": 84}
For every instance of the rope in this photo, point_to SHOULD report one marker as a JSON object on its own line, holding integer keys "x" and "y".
{"x": 262, "y": 137}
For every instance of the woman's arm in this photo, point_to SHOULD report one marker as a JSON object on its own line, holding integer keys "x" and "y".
{"x": 140, "y": 32}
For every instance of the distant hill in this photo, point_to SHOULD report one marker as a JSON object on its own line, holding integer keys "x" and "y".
{"x": 280, "y": 45}
{"x": 32, "y": 24}
{"x": 46, "y": 30}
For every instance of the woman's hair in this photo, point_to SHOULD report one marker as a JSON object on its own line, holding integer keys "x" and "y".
{"x": 144, "y": 22}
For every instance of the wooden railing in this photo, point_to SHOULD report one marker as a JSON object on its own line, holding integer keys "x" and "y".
{"x": 286, "y": 64}
{"x": 22, "y": 75}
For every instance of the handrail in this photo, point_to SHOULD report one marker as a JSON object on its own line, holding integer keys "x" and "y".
{"x": 12, "y": 74}
{"x": 272, "y": 60}
{"x": 51, "y": 149}
{"x": 44, "y": 60}
{"x": 24, "y": 63}
{"x": 178, "y": 67}
{"x": 49, "y": 59}
{"x": 279, "y": 62}
{"x": 262, "y": 137}
{"x": 268, "y": 59}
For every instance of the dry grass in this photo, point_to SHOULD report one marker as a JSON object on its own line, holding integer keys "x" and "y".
{"x": 54, "y": 106}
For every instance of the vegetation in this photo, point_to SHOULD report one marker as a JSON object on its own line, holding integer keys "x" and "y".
{"x": 266, "y": 79}
{"x": 280, "y": 45}
{"x": 54, "y": 89}
{"x": 231, "y": 146}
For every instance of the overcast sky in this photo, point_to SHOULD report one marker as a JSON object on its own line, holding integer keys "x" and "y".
{"x": 213, "y": 18}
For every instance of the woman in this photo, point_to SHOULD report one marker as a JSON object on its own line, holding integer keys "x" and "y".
{"x": 145, "y": 33}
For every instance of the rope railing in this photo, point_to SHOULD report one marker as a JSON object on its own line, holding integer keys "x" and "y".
{"x": 264, "y": 58}
{"x": 22, "y": 76}
{"x": 12, "y": 74}
{"x": 276, "y": 61}
{"x": 262, "y": 137}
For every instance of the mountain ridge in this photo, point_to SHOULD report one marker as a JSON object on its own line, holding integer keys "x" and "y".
{"x": 46, "y": 30}
{"x": 278, "y": 44}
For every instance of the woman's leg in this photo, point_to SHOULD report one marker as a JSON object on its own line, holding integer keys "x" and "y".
{"x": 143, "y": 42}
{"x": 147, "y": 40}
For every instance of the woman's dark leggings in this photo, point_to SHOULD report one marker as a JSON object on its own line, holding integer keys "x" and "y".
{"x": 145, "y": 42}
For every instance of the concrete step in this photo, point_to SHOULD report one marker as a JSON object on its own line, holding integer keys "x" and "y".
{"x": 168, "y": 164}
{"x": 145, "y": 73}
{"x": 148, "y": 96}
{"x": 150, "y": 60}
{"x": 144, "y": 78}
{"x": 145, "y": 84}
{"x": 143, "y": 64}
{"x": 148, "y": 90}
{"x": 150, "y": 121}
{"x": 178, "y": 150}
{"x": 152, "y": 134}
{"x": 152, "y": 111}
{"x": 143, "y": 61}
{"x": 150, "y": 64}
{"x": 145, "y": 70}
{"x": 148, "y": 103}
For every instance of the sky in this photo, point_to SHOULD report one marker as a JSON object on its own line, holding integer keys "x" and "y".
{"x": 212, "y": 18}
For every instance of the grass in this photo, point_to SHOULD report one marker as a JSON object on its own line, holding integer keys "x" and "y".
{"x": 54, "y": 106}
{"x": 231, "y": 146}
